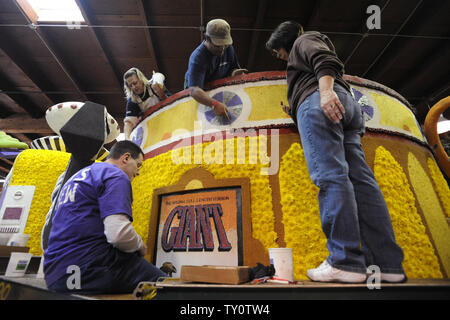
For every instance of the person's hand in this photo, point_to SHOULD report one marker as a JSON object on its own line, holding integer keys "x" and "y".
{"x": 331, "y": 106}
{"x": 238, "y": 72}
{"x": 286, "y": 109}
{"x": 159, "y": 91}
{"x": 168, "y": 268}
{"x": 221, "y": 110}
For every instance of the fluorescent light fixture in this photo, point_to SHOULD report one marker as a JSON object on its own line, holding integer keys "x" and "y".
{"x": 56, "y": 10}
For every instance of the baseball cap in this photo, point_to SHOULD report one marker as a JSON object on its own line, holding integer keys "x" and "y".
{"x": 219, "y": 32}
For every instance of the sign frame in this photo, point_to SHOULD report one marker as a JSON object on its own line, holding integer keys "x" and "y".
{"x": 200, "y": 180}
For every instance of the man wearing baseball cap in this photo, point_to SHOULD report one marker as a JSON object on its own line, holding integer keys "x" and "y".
{"x": 213, "y": 59}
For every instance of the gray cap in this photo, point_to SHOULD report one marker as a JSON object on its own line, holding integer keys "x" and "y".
{"x": 219, "y": 32}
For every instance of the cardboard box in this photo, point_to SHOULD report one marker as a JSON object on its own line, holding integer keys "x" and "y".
{"x": 215, "y": 274}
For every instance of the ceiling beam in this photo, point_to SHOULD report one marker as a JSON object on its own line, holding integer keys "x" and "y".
{"x": 4, "y": 169}
{"x": 9, "y": 106}
{"x": 22, "y": 137}
{"x": 202, "y": 19}
{"x": 7, "y": 161}
{"x": 18, "y": 99}
{"x": 259, "y": 22}
{"x": 98, "y": 39}
{"x": 148, "y": 38}
{"x": 365, "y": 33}
{"x": 407, "y": 45}
{"x": 26, "y": 71}
{"x": 25, "y": 124}
{"x": 380, "y": 54}
{"x": 43, "y": 38}
{"x": 431, "y": 63}
{"x": 426, "y": 104}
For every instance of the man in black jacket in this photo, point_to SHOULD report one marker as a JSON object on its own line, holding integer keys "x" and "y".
{"x": 353, "y": 212}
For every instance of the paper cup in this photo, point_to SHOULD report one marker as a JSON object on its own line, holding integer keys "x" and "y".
{"x": 18, "y": 264}
{"x": 281, "y": 258}
{"x": 18, "y": 240}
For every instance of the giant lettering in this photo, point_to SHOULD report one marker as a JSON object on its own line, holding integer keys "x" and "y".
{"x": 194, "y": 229}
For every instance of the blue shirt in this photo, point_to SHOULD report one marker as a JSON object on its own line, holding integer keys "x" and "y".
{"x": 77, "y": 235}
{"x": 205, "y": 67}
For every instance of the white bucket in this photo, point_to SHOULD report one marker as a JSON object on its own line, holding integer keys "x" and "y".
{"x": 18, "y": 264}
{"x": 19, "y": 240}
{"x": 281, "y": 258}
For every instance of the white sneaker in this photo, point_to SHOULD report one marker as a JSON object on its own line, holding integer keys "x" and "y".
{"x": 389, "y": 277}
{"x": 327, "y": 273}
{"x": 392, "y": 277}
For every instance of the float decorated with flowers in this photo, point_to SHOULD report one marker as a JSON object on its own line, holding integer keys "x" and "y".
{"x": 212, "y": 188}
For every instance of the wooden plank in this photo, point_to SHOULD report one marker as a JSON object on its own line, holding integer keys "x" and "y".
{"x": 19, "y": 68}
{"x": 98, "y": 39}
{"x": 259, "y": 23}
{"x": 25, "y": 124}
{"x": 45, "y": 41}
{"x": 21, "y": 137}
{"x": 148, "y": 38}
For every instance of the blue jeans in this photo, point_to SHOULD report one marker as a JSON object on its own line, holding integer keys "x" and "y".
{"x": 353, "y": 212}
{"x": 113, "y": 272}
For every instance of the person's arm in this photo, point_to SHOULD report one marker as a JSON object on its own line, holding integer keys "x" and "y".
{"x": 159, "y": 91}
{"x": 120, "y": 233}
{"x": 318, "y": 53}
{"x": 131, "y": 118}
{"x": 127, "y": 128}
{"x": 201, "y": 96}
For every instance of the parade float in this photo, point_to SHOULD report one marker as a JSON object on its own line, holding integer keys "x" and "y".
{"x": 212, "y": 192}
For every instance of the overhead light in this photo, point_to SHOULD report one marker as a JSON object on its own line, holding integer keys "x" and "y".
{"x": 56, "y": 10}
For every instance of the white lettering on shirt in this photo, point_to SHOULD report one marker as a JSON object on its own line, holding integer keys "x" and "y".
{"x": 69, "y": 191}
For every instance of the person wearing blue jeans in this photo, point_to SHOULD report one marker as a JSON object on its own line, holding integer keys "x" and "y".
{"x": 353, "y": 212}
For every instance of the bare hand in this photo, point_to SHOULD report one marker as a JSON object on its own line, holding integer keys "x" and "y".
{"x": 286, "y": 109}
{"x": 238, "y": 72}
{"x": 159, "y": 91}
{"x": 221, "y": 110}
{"x": 331, "y": 106}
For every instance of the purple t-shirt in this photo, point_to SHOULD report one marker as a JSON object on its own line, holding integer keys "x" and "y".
{"x": 77, "y": 235}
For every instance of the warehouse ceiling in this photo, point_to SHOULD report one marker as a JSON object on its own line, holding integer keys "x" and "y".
{"x": 45, "y": 63}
